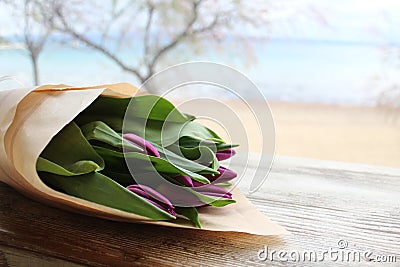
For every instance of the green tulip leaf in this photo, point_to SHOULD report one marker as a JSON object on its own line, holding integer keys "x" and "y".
{"x": 191, "y": 142}
{"x": 201, "y": 154}
{"x": 189, "y": 213}
{"x": 112, "y": 111}
{"x": 69, "y": 153}
{"x": 106, "y": 109}
{"x": 123, "y": 178}
{"x": 152, "y": 107}
{"x": 213, "y": 201}
{"x": 100, "y": 189}
{"x": 226, "y": 184}
{"x": 101, "y": 132}
{"x": 197, "y": 130}
{"x": 187, "y": 163}
{"x": 116, "y": 162}
{"x": 76, "y": 168}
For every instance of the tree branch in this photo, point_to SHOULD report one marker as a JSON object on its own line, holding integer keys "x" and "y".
{"x": 42, "y": 41}
{"x": 115, "y": 15}
{"x": 175, "y": 41}
{"x": 102, "y": 49}
{"x": 27, "y": 37}
{"x": 146, "y": 41}
{"x": 207, "y": 28}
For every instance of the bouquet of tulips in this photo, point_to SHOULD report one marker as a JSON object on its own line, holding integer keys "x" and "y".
{"x": 88, "y": 159}
{"x": 113, "y": 152}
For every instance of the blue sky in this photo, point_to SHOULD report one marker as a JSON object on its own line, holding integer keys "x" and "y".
{"x": 332, "y": 20}
{"x": 339, "y": 20}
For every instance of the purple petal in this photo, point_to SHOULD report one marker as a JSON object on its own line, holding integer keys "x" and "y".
{"x": 187, "y": 198}
{"x": 147, "y": 146}
{"x": 169, "y": 210}
{"x": 138, "y": 192}
{"x": 225, "y": 154}
{"x": 225, "y": 175}
{"x": 153, "y": 197}
{"x": 180, "y": 197}
{"x": 151, "y": 192}
{"x": 209, "y": 188}
{"x": 185, "y": 180}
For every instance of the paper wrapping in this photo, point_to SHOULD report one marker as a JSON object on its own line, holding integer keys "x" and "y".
{"x": 30, "y": 118}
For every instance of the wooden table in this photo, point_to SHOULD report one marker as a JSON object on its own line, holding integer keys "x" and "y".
{"x": 319, "y": 202}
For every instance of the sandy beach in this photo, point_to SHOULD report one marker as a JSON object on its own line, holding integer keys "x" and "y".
{"x": 367, "y": 135}
{"x": 354, "y": 134}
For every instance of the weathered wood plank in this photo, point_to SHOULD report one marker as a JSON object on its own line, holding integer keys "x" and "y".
{"x": 318, "y": 202}
{"x": 323, "y": 202}
{"x": 12, "y": 257}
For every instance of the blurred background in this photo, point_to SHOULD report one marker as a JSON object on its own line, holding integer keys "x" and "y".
{"x": 329, "y": 69}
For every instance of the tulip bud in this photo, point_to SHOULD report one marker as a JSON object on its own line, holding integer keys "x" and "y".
{"x": 211, "y": 190}
{"x": 139, "y": 141}
{"x": 185, "y": 180}
{"x": 225, "y": 175}
{"x": 225, "y": 154}
{"x": 153, "y": 197}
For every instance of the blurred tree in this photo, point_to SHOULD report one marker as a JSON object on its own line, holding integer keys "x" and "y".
{"x": 36, "y": 33}
{"x": 31, "y": 15}
{"x": 156, "y": 29}
{"x": 388, "y": 82}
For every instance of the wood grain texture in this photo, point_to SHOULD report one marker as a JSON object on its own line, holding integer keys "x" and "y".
{"x": 319, "y": 202}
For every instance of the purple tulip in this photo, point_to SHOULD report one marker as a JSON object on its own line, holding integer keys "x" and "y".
{"x": 182, "y": 197}
{"x": 153, "y": 197}
{"x": 225, "y": 175}
{"x": 179, "y": 196}
{"x": 206, "y": 189}
{"x": 225, "y": 154}
{"x": 139, "y": 141}
{"x": 211, "y": 190}
{"x": 185, "y": 180}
